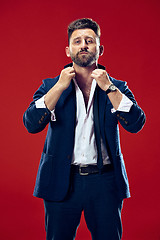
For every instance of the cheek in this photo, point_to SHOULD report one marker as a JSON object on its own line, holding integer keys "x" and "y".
{"x": 73, "y": 50}
{"x": 95, "y": 49}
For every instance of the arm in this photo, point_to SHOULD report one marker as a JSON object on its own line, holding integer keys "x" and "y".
{"x": 36, "y": 119}
{"x": 104, "y": 82}
{"x": 55, "y": 92}
{"x": 133, "y": 120}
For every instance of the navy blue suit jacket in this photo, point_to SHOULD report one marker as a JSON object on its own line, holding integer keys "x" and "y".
{"x": 53, "y": 177}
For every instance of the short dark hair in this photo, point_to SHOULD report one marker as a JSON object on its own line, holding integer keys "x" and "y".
{"x": 82, "y": 24}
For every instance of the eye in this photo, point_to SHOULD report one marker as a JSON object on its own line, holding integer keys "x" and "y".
{"x": 77, "y": 41}
{"x": 89, "y": 40}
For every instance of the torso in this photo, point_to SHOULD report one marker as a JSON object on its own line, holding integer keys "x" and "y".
{"x": 85, "y": 86}
{"x": 86, "y": 94}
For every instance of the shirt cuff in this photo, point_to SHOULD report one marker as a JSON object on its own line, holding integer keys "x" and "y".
{"x": 41, "y": 104}
{"x": 124, "y": 106}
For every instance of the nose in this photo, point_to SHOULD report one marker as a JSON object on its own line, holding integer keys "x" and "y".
{"x": 84, "y": 44}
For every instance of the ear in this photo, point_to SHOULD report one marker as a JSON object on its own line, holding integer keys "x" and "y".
{"x": 67, "y": 51}
{"x": 101, "y": 50}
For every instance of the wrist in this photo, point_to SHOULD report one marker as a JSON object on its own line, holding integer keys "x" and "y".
{"x": 111, "y": 88}
{"x": 106, "y": 86}
{"x": 60, "y": 87}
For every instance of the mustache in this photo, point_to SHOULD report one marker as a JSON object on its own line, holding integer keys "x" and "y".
{"x": 83, "y": 50}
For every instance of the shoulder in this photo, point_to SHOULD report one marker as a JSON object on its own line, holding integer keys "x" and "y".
{"x": 49, "y": 82}
{"x": 45, "y": 87}
{"x": 118, "y": 82}
{"x": 122, "y": 85}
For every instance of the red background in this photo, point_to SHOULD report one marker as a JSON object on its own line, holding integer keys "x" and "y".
{"x": 32, "y": 42}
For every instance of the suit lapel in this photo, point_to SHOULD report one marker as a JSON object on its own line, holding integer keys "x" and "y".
{"x": 102, "y": 100}
{"x": 70, "y": 101}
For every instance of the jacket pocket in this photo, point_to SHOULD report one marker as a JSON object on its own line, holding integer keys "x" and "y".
{"x": 45, "y": 170}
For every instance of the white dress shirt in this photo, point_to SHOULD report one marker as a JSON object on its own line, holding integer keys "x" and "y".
{"x": 85, "y": 149}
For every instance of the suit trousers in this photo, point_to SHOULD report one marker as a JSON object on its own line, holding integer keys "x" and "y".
{"x": 96, "y": 195}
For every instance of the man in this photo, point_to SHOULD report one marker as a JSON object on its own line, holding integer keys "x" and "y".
{"x": 82, "y": 167}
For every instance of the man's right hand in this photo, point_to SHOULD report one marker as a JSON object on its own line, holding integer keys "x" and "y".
{"x": 55, "y": 92}
{"x": 66, "y": 76}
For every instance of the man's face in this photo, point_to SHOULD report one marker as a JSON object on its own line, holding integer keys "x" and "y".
{"x": 84, "y": 47}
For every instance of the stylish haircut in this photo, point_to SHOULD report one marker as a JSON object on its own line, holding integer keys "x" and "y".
{"x": 82, "y": 24}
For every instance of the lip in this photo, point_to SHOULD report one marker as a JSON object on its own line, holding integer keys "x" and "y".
{"x": 83, "y": 53}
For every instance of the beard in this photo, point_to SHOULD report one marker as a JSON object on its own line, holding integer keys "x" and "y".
{"x": 84, "y": 60}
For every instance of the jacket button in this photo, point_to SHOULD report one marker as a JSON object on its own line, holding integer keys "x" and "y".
{"x": 45, "y": 113}
{"x": 126, "y": 122}
{"x": 40, "y": 122}
{"x": 118, "y": 115}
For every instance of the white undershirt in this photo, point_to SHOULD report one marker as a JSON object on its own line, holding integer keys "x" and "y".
{"x": 85, "y": 149}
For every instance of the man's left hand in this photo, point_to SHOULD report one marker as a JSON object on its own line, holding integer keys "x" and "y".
{"x": 101, "y": 78}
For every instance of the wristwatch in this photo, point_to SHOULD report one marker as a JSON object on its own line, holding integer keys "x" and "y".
{"x": 112, "y": 88}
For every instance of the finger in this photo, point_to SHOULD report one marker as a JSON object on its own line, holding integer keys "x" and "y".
{"x": 71, "y": 70}
{"x": 95, "y": 71}
{"x": 98, "y": 70}
{"x": 94, "y": 75}
{"x": 72, "y": 75}
{"x": 68, "y": 69}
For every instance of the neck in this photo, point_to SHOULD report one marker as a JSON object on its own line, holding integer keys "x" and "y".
{"x": 83, "y": 74}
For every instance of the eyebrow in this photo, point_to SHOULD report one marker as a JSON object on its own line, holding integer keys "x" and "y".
{"x": 85, "y": 37}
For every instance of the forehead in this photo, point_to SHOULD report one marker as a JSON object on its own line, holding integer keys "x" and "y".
{"x": 87, "y": 32}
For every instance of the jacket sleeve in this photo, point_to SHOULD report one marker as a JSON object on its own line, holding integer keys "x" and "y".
{"x": 134, "y": 120}
{"x": 36, "y": 119}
